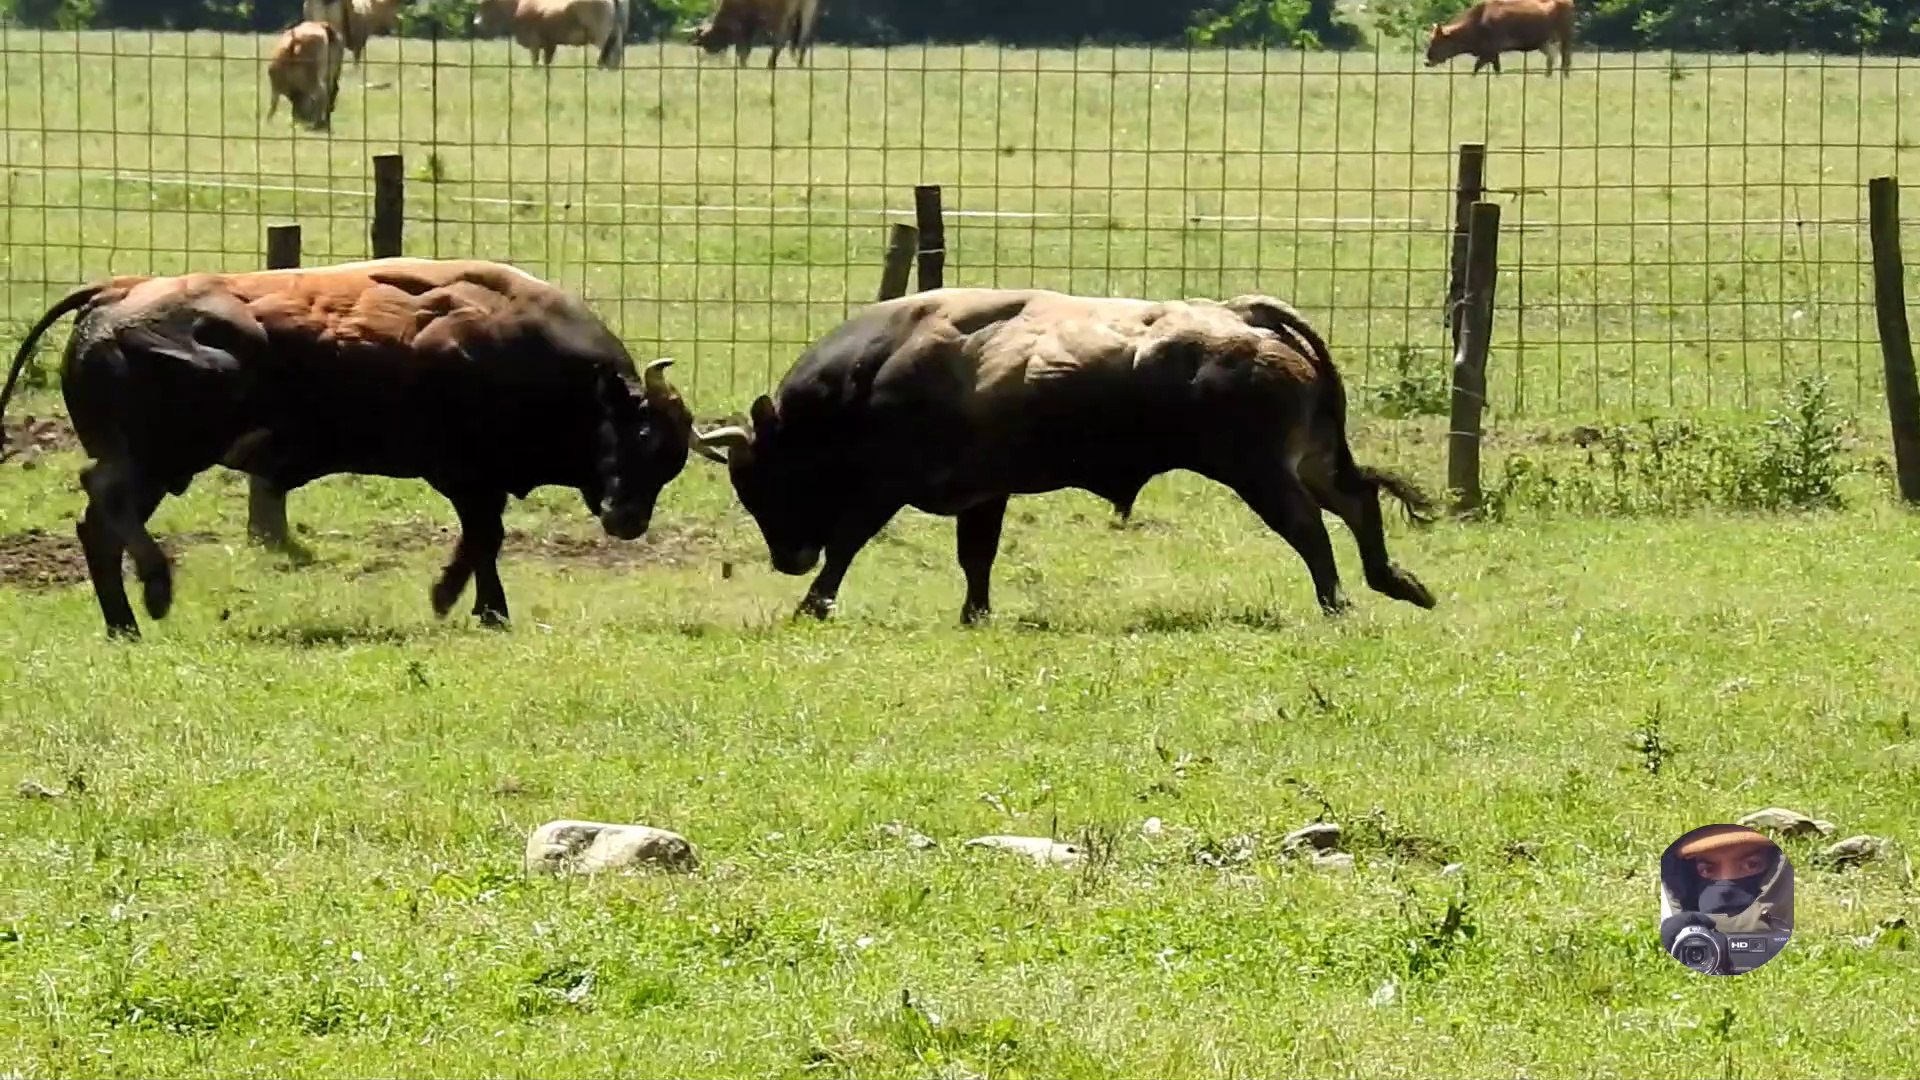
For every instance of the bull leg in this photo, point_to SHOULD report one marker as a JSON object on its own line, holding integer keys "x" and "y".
{"x": 119, "y": 502}
{"x": 103, "y": 550}
{"x": 475, "y": 556}
{"x": 1280, "y": 499}
{"x": 977, "y": 541}
{"x": 1348, "y": 493}
{"x": 852, "y": 535}
{"x": 740, "y": 52}
{"x": 266, "y": 513}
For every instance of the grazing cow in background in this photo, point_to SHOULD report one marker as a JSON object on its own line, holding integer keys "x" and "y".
{"x": 737, "y": 24}
{"x": 357, "y": 21}
{"x": 542, "y": 26}
{"x": 305, "y": 69}
{"x": 1492, "y": 27}
{"x": 951, "y": 401}
{"x": 476, "y": 377}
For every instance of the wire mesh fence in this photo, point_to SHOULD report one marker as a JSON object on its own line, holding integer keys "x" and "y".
{"x": 1681, "y": 232}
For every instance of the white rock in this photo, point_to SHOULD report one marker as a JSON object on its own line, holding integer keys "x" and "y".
{"x": 590, "y": 847}
{"x": 1152, "y": 827}
{"x": 34, "y": 789}
{"x": 1853, "y": 850}
{"x": 1452, "y": 868}
{"x": 913, "y": 838}
{"x": 1332, "y": 860}
{"x": 1038, "y": 848}
{"x": 1319, "y": 836}
{"x": 1384, "y": 994}
{"x": 1775, "y": 819}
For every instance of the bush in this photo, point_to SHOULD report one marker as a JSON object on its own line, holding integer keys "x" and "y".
{"x": 1408, "y": 20}
{"x": 1771, "y": 26}
{"x": 1795, "y": 460}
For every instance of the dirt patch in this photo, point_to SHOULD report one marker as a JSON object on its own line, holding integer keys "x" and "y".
{"x": 664, "y": 545}
{"x": 37, "y": 559}
{"x": 28, "y": 437}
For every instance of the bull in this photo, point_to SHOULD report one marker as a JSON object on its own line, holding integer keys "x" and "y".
{"x": 737, "y": 24}
{"x": 953, "y": 400}
{"x": 476, "y": 377}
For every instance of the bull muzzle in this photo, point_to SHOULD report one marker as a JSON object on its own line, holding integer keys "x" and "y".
{"x": 796, "y": 561}
{"x": 626, "y": 522}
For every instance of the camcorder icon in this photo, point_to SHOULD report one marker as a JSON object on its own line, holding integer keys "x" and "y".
{"x": 1711, "y": 952}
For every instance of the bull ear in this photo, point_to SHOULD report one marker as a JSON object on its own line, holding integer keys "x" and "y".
{"x": 765, "y": 416}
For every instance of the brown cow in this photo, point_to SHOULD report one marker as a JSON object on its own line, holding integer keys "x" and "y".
{"x": 542, "y": 26}
{"x": 357, "y": 20}
{"x": 1492, "y": 27}
{"x": 953, "y": 400}
{"x": 305, "y": 69}
{"x": 476, "y": 377}
{"x": 739, "y": 23}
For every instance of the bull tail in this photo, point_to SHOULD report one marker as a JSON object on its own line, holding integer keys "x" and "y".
{"x": 63, "y": 307}
{"x": 1283, "y": 319}
{"x": 1419, "y": 505}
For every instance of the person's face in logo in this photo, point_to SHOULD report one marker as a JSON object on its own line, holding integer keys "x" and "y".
{"x": 1731, "y": 878}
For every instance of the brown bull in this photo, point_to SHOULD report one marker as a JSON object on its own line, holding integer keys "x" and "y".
{"x": 1492, "y": 27}
{"x": 476, "y": 377}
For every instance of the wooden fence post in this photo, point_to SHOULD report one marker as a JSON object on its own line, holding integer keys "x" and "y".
{"x": 1896, "y": 345}
{"x": 1469, "y": 185}
{"x": 389, "y": 205}
{"x": 266, "y": 504}
{"x": 933, "y": 236}
{"x": 901, "y": 245}
{"x": 1475, "y": 331}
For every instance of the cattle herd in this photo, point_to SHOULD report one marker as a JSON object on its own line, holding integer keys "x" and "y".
{"x": 304, "y": 67}
{"x": 485, "y": 381}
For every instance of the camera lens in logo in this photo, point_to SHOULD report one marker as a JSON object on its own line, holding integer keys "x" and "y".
{"x": 1726, "y": 900}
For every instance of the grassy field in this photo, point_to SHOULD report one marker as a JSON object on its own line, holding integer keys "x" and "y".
{"x": 293, "y": 818}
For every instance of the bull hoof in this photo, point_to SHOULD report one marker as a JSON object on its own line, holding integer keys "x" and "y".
{"x": 123, "y": 632}
{"x": 1413, "y": 592}
{"x": 814, "y": 607}
{"x": 446, "y": 592}
{"x": 492, "y": 620}
{"x": 971, "y": 615}
{"x": 1335, "y": 605}
{"x": 157, "y": 593}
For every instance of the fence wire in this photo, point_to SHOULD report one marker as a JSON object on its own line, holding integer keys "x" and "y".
{"x": 1681, "y": 232}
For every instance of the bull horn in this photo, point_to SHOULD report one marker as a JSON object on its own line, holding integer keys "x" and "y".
{"x": 731, "y": 437}
{"x": 655, "y": 379}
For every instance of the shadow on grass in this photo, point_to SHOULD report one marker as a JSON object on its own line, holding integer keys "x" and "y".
{"x": 1170, "y": 620}
{"x": 332, "y": 635}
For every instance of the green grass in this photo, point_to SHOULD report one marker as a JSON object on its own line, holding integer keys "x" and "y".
{"x": 297, "y": 849}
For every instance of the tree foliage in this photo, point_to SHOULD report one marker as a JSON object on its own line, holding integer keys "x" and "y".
{"x": 1302, "y": 23}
